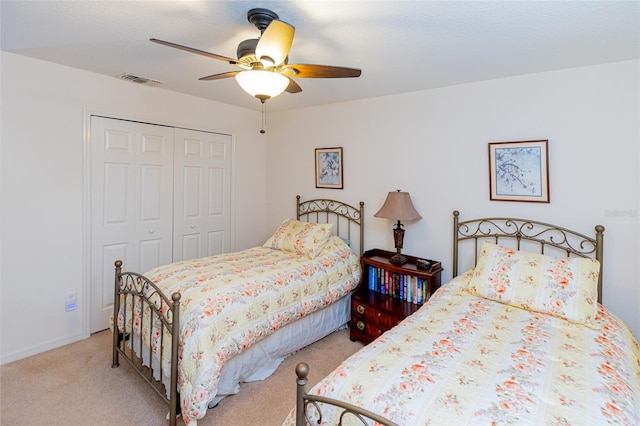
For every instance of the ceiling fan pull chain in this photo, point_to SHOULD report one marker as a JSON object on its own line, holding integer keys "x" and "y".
{"x": 264, "y": 117}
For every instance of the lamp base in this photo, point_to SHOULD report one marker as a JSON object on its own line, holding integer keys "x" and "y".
{"x": 398, "y": 259}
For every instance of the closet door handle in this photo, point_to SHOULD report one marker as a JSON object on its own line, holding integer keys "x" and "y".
{"x": 151, "y": 231}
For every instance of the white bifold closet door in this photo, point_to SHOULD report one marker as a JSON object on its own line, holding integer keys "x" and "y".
{"x": 131, "y": 204}
{"x": 158, "y": 194}
{"x": 202, "y": 214}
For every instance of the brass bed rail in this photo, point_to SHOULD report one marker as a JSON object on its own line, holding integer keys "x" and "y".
{"x": 303, "y": 400}
{"x": 144, "y": 302}
{"x": 544, "y": 234}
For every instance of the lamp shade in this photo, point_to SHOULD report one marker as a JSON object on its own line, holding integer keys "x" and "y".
{"x": 398, "y": 206}
{"x": 262, "y": 84}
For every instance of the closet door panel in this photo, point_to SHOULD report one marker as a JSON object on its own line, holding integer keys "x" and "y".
{"x": 112, "y": 212}
{"x": 104, "y": 301}
{"x": 150, "y": 254}
{"x": 192, "y": 193}
{"x": 131, "y": 195}
{"x": 203, "y": 170}
{"x": 217, "y": 194}
{"x": 116, "y": 196}
{"x": 215, "y": 242}
{"x": 154, "y": 184}
{"x": 190, "y": 247}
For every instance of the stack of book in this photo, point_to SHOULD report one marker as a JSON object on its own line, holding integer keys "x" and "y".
{"x": 402, "y": 286}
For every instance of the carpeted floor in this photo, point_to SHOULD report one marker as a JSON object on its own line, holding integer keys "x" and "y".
{"x": 75, "y": 385}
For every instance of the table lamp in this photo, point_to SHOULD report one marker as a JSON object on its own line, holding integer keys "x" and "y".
{"x": 398, "y": 206}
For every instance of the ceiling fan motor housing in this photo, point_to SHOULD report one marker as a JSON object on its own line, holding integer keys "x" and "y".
{"x": 261, "y": 18}
{"x": 246, "y": 52}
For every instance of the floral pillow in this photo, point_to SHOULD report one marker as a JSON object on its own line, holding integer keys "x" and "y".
{"x": 563, "y": 287}
{"x": 300, "y": 237}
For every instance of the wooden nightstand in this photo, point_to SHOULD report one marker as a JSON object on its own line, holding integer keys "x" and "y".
{"x": 389, "y": 293}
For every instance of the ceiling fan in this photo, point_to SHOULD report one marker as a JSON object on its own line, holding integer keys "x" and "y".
{"x": 263, "y": 62}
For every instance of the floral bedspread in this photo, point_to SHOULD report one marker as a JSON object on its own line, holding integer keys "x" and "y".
{"x": 231, "y": 301}
{"x": 463, "y": 359}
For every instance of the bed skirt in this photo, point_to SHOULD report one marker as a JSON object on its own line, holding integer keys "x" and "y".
{"x": 262, "y": 359}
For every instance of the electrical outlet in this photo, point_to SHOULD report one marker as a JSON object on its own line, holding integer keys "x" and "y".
{"x": 70, "y": 301}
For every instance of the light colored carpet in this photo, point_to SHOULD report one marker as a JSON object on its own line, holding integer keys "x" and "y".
{"x": 75, "y": 385}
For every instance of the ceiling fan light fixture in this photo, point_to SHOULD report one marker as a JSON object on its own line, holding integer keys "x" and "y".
{"x": 262, "y": 84}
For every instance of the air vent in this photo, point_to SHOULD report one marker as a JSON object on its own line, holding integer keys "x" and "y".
{"x": 139, "y": 80}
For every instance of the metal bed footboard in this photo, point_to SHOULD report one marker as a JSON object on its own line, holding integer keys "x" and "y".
{"x": 304, "y": 400}
{"x": 143, "y": 302}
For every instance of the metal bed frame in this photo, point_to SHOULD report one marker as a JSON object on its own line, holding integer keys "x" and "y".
{"x": 543, "y": 234}
{"x": 164, "y": 311}
{"x": 304, "y": 400}
{"x": 333, "y": 209}
{"x": 131, "y": 287}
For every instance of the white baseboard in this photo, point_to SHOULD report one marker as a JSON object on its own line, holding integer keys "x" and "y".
{"x": 7, "y": 358}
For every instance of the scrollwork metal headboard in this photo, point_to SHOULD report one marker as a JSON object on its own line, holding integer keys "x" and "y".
{"x": 352, "y": 216}
{"x": 544, "y": 234}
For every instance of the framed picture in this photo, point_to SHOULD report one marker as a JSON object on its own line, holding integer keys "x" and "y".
{"x": 519, "y": 171}
{"x": 329, "y": 168}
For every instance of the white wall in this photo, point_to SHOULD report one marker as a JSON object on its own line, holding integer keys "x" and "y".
{"x": 434, "y": 145}
{"x": 43, "y": 111}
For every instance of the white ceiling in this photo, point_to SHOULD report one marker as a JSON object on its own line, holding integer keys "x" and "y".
{"x": 401, "y": 46}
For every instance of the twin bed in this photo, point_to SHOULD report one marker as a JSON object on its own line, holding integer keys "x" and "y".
{"x": 196, "y": 329}
{"x": 519, "y": 338}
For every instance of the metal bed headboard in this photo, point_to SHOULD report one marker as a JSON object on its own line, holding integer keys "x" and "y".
{"x": 544, "y": 234}
{"x": 324, "y": 207}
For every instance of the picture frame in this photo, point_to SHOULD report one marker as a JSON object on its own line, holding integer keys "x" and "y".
{"x": 519, "y": 171}
{"x": 329, "y": 168}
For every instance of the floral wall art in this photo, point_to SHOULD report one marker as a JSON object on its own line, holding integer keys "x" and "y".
{"x": 329, "y": 168}
{"x": 519, "y": 171}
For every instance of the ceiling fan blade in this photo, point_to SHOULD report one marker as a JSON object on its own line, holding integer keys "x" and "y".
{"x": 197, "y": 51}
{"x": 219, "y": 76}
{"x": 275, "y": 43}
{"x": 319, "y": 71}
{"x": 293, "y": 87}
